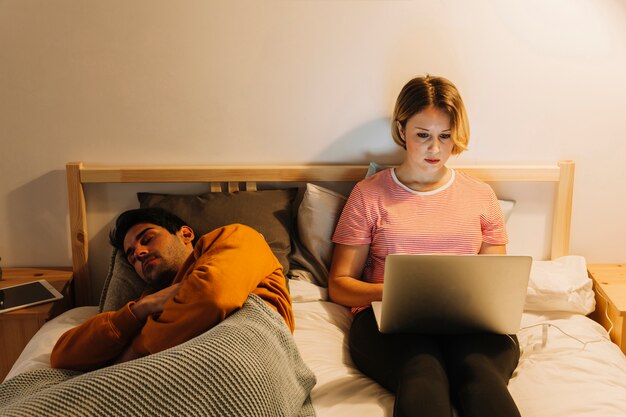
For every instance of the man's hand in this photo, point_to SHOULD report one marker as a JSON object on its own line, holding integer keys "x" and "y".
{"x": 128, "y": 355}
{"x": 153, "y": 303}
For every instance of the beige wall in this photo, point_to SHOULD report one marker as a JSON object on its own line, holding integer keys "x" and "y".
{"x": 297, "y": 81}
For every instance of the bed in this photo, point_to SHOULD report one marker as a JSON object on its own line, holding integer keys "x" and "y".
{"x": 568, "y": 366}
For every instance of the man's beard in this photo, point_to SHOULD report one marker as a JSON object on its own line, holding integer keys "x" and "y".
{"x": 164, "y": 280}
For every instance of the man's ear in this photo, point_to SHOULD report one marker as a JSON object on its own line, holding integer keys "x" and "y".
{"x": 187, "y": 234}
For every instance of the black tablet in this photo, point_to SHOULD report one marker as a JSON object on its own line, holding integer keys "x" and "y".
{"x": 25, "y": 295}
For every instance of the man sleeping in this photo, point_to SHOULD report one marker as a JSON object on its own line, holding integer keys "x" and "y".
{"x": 194, "y": 287}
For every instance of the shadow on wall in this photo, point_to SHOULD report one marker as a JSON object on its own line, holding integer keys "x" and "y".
{"x": 42, "y": 240}
{"x": 369, "y": 142}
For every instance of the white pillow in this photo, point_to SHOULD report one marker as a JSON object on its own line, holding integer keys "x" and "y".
{"x": 507, "y": 208}
{"x": 560, "y": 285}
{"x": 317, "y": 217}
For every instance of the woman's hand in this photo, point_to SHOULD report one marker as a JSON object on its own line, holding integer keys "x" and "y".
{"x": 153, "y": 303}
{"x": 344, "y": 285}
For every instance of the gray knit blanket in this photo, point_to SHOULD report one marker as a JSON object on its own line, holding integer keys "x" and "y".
{"x": 248, "y": 365}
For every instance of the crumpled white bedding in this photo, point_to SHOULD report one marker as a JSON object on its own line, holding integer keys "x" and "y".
{"x": 574, "y": 372}
{"x": 568, "y": 367}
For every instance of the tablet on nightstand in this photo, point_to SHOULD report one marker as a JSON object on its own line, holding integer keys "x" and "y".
{"x": 26, "y": 295}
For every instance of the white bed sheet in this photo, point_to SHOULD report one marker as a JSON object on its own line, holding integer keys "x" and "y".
{"x": 574, "y": 371}
{"x": 36, "y": 354}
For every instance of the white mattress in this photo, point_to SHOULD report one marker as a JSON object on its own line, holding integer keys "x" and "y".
{"x": 574, "y": 371}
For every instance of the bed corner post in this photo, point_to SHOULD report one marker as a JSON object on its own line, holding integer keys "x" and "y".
{"x": 78, "y": 233}
{"x": 563, "y": 210}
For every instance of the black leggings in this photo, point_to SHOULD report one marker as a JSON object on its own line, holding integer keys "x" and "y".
{"x": 429, "y": 373}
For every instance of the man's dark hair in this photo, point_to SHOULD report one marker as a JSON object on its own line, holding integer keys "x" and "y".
{"x": 154, "y": 215}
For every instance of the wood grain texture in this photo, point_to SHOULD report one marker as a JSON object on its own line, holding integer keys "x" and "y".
{"x": 609, "y": 284}
{"x": 79, "y": 237}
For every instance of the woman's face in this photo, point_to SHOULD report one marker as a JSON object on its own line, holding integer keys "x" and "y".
{"x": 428, "y": 137}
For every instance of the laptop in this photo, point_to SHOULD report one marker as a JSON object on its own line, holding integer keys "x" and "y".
{"x": 445, "y": 294}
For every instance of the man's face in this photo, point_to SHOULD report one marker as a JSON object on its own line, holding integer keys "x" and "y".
{"x": 155, "y": 253}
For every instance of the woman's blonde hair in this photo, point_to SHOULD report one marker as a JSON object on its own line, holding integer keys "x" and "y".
{"x": 429, "y": 91}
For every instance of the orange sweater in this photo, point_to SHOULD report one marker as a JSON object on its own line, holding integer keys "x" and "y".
{"x": 226, "y": 266}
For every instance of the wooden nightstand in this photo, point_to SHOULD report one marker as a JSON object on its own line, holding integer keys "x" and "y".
{"x": 609, "y": 284}
{"x": 19, "y": 326}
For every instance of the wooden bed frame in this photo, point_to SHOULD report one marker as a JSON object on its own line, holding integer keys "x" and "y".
{"x": 234, "y": 178}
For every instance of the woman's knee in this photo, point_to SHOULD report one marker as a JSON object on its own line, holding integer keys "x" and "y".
{"x": 425, "y": 365}
{"x": 492, "y": 352}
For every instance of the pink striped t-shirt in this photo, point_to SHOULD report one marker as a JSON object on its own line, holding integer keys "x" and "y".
{"x": 456, "y": 218}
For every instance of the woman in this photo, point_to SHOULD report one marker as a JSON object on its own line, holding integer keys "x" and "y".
{"x": 422, "y": 206}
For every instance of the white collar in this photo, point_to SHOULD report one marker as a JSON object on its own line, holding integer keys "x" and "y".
{"x": 435, "y": 191}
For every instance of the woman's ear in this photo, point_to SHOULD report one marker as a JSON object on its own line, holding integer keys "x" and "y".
{"x": 400, "y": 130}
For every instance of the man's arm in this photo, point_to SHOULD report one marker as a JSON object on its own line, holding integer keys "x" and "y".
{"x": 97, "y": 342}
{"x": 226, "y": 266}
{"x": 106, "y": 337}
{"x": 153, "y": 303}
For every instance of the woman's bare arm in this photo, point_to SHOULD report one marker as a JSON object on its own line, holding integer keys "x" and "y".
{"x": 344, "y": 287}
{"x": 487, "y": 249}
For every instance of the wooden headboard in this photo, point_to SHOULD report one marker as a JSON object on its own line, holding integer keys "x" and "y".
{"x": 233, "y": 178}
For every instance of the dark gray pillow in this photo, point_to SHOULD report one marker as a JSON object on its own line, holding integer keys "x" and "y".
{"x": 121, "y": 285}
{"x": 268, "y": 211}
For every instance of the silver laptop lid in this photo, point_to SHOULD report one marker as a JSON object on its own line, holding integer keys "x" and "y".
{"x": 441, "y": 294}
